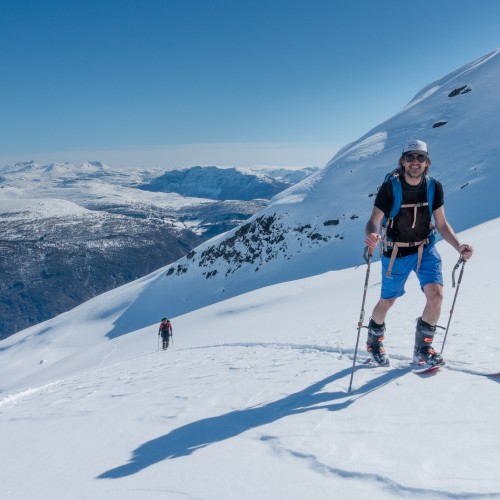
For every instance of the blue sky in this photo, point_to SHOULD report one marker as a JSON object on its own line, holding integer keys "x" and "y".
{"x": 229, "y": 82}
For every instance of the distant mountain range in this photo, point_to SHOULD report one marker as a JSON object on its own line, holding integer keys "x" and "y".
{"x": 71, "y": 232}
{"x": 217, "y": 184}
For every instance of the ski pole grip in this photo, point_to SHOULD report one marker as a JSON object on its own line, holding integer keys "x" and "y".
{"x": 367, "y": 253}
{"x": 462, "y": 261}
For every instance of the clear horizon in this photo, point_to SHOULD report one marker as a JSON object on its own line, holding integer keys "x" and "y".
{"x": 178, "y": 83}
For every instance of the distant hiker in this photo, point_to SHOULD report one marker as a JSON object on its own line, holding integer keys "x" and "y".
{"x": 404, "y": 204}
{"x": 166, "y": 332}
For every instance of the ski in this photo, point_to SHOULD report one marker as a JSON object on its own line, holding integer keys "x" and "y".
{"x": 427, "y": 369}
{"x": 370, "y": 363}
{"x": 419, "y": 370}
{"x": 413, "y": 367}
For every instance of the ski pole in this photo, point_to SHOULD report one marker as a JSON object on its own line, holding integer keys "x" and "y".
{"x": 158, "y": 342}
{"x": 367, "y": 255}
{"x": 461, "y": 260}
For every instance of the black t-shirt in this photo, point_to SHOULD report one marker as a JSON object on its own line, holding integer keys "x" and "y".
{"x": 402, "y": 229}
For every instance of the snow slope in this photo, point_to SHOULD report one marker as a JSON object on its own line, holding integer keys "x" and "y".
{"x": 251, "y": 401}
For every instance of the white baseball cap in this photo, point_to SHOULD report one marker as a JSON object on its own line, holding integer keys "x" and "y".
{"x": 415, "y": 146}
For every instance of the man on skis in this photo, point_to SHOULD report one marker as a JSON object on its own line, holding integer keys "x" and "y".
{"x": 408, "y": 245}
{"x": 166, "y": 332}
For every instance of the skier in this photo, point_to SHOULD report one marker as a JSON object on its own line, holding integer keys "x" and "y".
{"x": 408, "y": 245}
{"x": 166, "y": 332}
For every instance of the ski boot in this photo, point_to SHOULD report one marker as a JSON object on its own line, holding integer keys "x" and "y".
{"x": 374, "y": 343}
{"x": 424, "y": 353}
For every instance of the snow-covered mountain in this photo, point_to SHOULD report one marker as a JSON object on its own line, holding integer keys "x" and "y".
{"x": 318, "y": 224}
{"x": 252, "y": 402}
{"x": 217, "y": 184}
{"x": 72, "y": 232}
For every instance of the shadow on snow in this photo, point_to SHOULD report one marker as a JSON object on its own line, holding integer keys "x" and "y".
{"x": 187, "y": 439}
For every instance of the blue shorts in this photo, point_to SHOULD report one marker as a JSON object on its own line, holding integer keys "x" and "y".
{"x": 430, "y": 272}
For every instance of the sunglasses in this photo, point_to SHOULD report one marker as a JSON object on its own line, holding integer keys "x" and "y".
{"x": 409, "y": 158}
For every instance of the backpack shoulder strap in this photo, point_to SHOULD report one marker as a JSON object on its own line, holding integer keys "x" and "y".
{"x": 397, "y": 193}
{"x": 430, "y": 192}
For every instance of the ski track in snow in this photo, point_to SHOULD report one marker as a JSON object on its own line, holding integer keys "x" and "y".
{"x": 384, "y": 483}
{"x": 398, "y": 362}
{"x": 401, "y": 364}
{"x": 107, "y": 356}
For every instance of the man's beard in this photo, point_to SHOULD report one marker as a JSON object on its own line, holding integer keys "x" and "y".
{"x": 415, "y": 174}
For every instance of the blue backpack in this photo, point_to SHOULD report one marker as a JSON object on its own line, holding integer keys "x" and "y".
{"x": 397, "y": 191}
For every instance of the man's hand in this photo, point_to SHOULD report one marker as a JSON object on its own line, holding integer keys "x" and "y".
{"x": 372, "y": 240}
{"x": 466, "y": 251}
